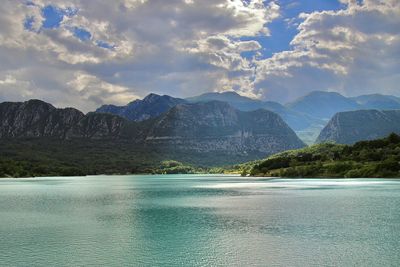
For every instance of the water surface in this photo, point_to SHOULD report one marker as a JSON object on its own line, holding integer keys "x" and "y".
{"x": 190, "y": 220}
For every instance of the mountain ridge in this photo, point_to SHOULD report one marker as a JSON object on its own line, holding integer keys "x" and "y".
{"x": 138, "y": 110}
{"x": 200, "y": 127}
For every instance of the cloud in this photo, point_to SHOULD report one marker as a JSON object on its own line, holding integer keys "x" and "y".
{"x": 91, "y": 87}
{"x": 75, "y": 53}
{"x": 353, "y": 51}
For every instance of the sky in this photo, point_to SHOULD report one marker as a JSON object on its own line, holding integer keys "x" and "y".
{"x": 86, "y": 53}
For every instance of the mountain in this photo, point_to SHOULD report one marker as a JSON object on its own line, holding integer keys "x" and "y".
{"x": 350, "y": 127}
{"x": 217, "y": 126}
{"x": 323, "y": 105}
{"x": 297, "y": 121}
{"x": 200, "y": 133}
{"x": 234, "y": 99}
{"x": 36, "y": 118}
{"x": 378, "y": 101}
{"x": 151, "y": 106}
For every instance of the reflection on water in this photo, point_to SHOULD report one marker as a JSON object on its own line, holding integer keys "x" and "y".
{"x": 191, "y": 220}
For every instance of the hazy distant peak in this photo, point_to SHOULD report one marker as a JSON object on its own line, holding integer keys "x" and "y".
{"x": 321, "y": 94}
{"x": 323, "y": 104}
{"x": 227, "y": 96}
{"x": 378, "y": 101}
{"x": 151, "y": 97}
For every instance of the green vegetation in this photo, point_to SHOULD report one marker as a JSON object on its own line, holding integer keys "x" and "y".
{"x": 376, "y": 158}
{"x": 44, "y": 157}
{"x": 51, "y": 157}
{"x": 176, "y": 167}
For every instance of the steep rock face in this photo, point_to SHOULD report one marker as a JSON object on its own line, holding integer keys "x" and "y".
{"x": 99, "y": 126}
{"x": 35, "y": 118}
{"x": 350, "y": 127}
{"x": 151, "y": 106}
{"x": 216, "y": 126}
{"x": 60, "y": 121}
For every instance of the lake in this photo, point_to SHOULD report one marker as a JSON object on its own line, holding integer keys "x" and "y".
{"x": 199, "y": 220}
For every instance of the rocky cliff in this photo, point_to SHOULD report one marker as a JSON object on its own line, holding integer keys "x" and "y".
{"x": 99, "y": 126}
{"x": 216, "y": 126}
{"x": 35, "y": 118}
{"x": 350, "y": 127}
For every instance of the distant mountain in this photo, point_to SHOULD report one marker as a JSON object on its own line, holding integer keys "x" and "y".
{"x": 309, "y": 112}
{"x": 297, "y": 121}
{"x": 211, "y": 127}
{"x": 323, "y": 105}
{"x": 217, "y": 126}
{"x": 350, "y": 127}
{"x": 378, "y": 101}
{"x": 234, "y": 99}
{"x": 151, "y": 106}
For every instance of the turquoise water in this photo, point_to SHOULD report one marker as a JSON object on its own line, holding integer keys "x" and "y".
{"x": 189, "y": 220}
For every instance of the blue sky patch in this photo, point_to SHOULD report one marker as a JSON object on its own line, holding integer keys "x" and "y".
{"x": 81, "y": 34}
{"x": 53, "y": 17}
{"x": 28, "y": 23}
{"x": 106, "y": 45}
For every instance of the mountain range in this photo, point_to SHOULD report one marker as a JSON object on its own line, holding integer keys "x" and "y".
{"x": 198, "y": 127}
{"x": 37, "y": 118}
{"x": 154, "y": 105}
{"x": 307, "y": 115}
{"x": 213, "y": 129}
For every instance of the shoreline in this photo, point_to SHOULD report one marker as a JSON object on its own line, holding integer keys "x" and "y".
{"x": 206, "y": 174}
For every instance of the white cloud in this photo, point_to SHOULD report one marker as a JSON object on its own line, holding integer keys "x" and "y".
{"x": 89, "y": 86}
{"x": 352, "y": 51}
{"x": 148, "y": 46}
